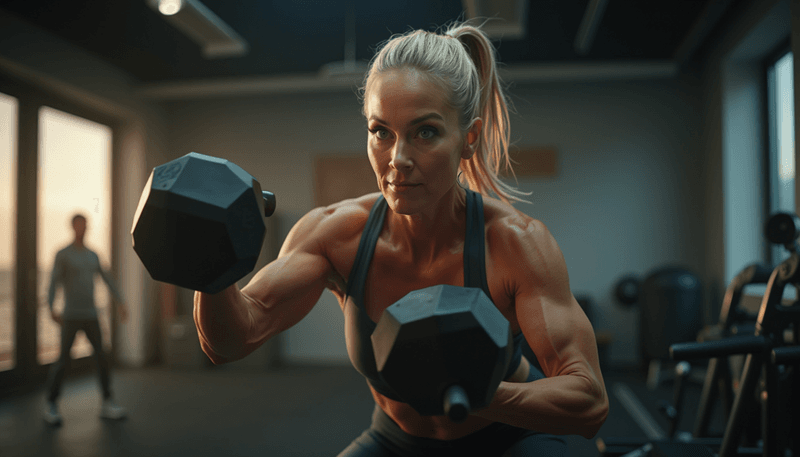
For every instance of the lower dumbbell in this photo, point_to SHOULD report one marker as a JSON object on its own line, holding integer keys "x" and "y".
{"x": 443, "y": 350}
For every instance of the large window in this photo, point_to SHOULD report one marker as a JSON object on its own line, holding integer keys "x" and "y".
{"x": 74, "y": 177}
{"x": 8, "y": 148}
{"x": 781, "y": 140}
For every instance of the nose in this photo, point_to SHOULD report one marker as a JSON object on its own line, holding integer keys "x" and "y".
{"x": 401, "y": 156}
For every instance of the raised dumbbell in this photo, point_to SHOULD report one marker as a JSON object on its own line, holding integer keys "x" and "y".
{"x": 443, "y": 350}
{"x": 200, "y": 223}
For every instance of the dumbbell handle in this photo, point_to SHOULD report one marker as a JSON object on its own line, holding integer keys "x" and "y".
{"x": 269, "y": 203}
{"x": 724, "y": 347}
{"x": 456, "y": 403}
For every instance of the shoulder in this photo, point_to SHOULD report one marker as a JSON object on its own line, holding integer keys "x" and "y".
{"x": 508, "y": 223}
{"x": 522, "y": 245}
{"x": 64, "y": 252}
{"x": 343, "y": 217}
{"x": 337, "y": 222}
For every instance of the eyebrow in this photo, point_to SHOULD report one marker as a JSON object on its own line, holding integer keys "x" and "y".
{"x": 418, "y": 120}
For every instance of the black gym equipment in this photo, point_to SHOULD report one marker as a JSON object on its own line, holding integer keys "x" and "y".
{"x": 774, "y": 318}
{"x": 670, "y": 311}
{"x": 717, "y": 383}
{"x": 627, "y": 289}
{"x": 733, "y": 320}
{"x": 768, "y": 381}
{"x": 200, "y": 223}
{"x": 443, "y": 350}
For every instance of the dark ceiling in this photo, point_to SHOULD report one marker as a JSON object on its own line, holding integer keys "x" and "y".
{"x": 287, "y": 37}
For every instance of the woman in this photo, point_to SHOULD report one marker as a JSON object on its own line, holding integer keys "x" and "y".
{"x": 434, "y": 108}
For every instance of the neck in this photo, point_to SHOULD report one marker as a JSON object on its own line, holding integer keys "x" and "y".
{"x": 433, "y": 231}
{"x": 78, "y": 244}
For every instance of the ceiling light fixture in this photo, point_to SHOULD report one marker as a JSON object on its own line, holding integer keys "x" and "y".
{"x": 507, "y": 19}
{"x": 349, "y": 68}
{"x": 588, "y": 28}
{"x": 199, "y": 23}
{"x": 169, "y": 7}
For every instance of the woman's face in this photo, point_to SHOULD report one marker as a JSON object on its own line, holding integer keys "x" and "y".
{"x": 414, "y": 141}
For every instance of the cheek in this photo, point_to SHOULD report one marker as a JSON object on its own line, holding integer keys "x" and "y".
{"x": 448, "y": 161}
{"x": 376, "y": 161}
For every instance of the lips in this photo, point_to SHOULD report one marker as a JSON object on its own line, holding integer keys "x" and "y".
{"x": 402, "y": 186}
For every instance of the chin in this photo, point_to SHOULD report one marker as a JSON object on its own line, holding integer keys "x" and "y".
{"x": 401, "y": 205}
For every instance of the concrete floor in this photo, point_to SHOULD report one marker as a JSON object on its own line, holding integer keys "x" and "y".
{"x": 286, "y": 412}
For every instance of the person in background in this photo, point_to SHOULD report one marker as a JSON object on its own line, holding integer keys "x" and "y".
{"x": 74, "y": 270}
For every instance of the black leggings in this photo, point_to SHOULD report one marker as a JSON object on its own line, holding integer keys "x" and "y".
{"x": 69, "y": 328}
{"x": 385, "y": 438}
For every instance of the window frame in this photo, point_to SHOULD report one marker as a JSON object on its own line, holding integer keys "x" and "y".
{"x": 771, "y": 151}
{"x": 27, "y": 374}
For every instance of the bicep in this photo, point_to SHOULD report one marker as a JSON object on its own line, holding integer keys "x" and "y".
{"x": 553, "y": 322}
{"x": 285, "y": 290}
{"x": 559, "y": 334}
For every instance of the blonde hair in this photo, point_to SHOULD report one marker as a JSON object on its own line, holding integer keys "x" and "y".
{"x": 462, "y": 60}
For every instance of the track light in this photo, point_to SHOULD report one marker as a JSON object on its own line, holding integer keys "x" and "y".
{"x": 199, "y": 23}
{"x": 169, "y": 7}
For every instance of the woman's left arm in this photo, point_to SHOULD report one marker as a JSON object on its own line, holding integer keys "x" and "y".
{"x": 572, "y": 399}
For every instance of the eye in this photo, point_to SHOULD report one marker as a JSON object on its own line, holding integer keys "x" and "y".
{"x": 380, "y": 133}
{"x": 426, "y": 133}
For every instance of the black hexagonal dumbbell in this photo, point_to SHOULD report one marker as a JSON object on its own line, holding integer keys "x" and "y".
{"x": 200, "y": 223}
{"x": 443, "y": 350}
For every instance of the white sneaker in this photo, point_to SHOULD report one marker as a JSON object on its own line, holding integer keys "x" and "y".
{"x": 51, "y": 415}
{"x": 111, "y": 410}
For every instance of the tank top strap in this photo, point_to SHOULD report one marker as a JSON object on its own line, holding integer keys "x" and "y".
{"x": 366, "y": 249}
{"x": 474, "y": 245}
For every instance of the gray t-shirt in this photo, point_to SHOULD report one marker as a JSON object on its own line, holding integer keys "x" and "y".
{"x": 74, "y": 269}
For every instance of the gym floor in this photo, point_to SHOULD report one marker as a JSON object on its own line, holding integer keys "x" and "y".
{"x": 285, "y": 412}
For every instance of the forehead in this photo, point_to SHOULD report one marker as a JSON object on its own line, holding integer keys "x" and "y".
{"x": 400, "y": 94}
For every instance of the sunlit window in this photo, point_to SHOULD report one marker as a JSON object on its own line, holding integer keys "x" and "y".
{"x": 74, "y": 177}
{"x": 8, "y": 180}
{"x": 781, "y": 139}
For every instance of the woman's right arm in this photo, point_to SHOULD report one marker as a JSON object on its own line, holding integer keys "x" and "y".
{"x": 233, "y": 323}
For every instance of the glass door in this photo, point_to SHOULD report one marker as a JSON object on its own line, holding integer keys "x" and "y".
{"x": 74, "y": 178}
{"x": 8, "y": 182}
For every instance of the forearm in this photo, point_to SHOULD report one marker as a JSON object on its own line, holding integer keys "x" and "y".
{"x": 561, "y": 405}
{"x": 224, "y": 322}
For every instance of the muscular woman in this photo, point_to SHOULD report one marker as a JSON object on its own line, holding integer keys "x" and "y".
{"x": 438, "y": 132}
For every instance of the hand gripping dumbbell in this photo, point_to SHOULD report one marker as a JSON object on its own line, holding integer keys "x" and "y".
{"x": 200, "y": 223}
{"x": 443, "y": 350}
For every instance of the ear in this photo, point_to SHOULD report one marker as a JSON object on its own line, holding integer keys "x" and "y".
{"x": 473, "y": 135}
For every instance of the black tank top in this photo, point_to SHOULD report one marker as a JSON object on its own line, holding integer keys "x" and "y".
{"x": 358, "y": 326}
